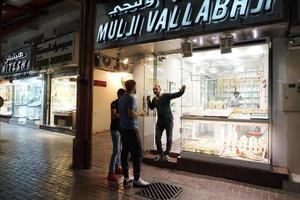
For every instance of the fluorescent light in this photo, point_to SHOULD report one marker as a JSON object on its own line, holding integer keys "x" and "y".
{"x": 255, "y": 33}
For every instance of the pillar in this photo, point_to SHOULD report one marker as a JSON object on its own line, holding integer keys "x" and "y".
{"x": 82, "y": 144}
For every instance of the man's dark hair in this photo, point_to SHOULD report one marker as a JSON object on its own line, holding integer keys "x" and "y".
{"x": 129, "y": 85}
{"x": 121, "y": 92}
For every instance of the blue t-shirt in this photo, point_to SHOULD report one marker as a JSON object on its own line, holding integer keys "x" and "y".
{"x": 127, "y": 122}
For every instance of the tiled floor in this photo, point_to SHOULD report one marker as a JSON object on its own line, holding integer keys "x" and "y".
{"x": 35, "y": 164}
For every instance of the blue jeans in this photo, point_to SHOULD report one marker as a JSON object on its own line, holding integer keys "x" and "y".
{"x": 116, "y": 154}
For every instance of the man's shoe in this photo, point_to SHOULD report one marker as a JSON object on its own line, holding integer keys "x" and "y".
{"x": 128, "y": 180}
{"x": 112, "y": 177}
{"x": 159, "y": 158}
{"x": 118, "y": 170}
{"x": 140, "y": 183}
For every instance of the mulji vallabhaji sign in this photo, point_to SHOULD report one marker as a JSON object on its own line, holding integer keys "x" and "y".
{"x": 17, "y": 61}
{"x": 151, "y": 17}
{"x": 59, "y": 51}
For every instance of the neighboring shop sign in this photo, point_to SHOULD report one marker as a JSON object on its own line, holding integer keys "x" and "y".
{"x": 16, "y": 61}
{"x": 58, "y": 51}
{"x": 143, "y": 20}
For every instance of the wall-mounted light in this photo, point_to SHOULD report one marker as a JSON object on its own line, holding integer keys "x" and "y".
{"x": 226, "y": 44}
{"x": 125, "y": 61}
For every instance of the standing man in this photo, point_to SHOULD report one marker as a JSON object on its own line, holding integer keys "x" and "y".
{"x": 165, "y": 119}
{"x": 115, "y": 161}
{"x": 130, "y": 137}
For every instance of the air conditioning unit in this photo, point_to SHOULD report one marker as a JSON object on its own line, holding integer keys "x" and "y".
{"x": 104, "y": 62}
{"x": 108, "y": 63}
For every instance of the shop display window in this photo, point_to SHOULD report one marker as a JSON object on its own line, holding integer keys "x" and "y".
{"x": 6, "y": 94}
{"x": 63, "y": 100}
{"x": 225, "y": 111}
{"x": 233, "y": 85}
{"x": 28, "y": 98}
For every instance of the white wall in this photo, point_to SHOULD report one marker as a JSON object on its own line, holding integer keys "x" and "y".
{"x": 103, "y": 96}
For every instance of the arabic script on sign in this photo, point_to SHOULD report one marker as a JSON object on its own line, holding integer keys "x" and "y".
{"x": 138, "y": 5}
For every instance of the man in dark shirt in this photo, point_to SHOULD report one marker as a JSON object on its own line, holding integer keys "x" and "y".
{"x": 164, "y": 120}
{"x": 115, "y": 161}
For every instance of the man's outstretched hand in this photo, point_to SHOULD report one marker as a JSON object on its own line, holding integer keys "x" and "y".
{"x": 182, "y": 89}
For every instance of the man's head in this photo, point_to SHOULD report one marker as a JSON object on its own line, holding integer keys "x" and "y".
{"x": 156, "y": 90}
{"x": 121, "y": 92}
{"x": 236, "y": 94}
{"x": 130, "y": 86}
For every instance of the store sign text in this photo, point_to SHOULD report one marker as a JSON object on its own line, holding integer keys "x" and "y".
{"x": 168, "y": 19}
{"x": 15, "y": 62}
{"x": 56, "y": 52}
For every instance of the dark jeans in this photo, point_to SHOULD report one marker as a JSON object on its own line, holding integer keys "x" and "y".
{"x": 159, "y": 129}
{"x": 131, "y": 142}
{"x": 116, "y": 154}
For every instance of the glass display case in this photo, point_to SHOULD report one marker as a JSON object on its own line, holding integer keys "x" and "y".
{"x": 225, "y": 111}
{"x": 28, "y": 98}
{"x": 6, "y": 94}
{"x": 63, "y": 101}
{"x": 234, "y": 139}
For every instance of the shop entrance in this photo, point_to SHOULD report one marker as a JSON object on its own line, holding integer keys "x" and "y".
{"x": 224, "y": 114}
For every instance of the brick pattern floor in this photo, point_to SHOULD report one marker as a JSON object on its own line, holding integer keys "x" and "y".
{"x": 35, "y": 164}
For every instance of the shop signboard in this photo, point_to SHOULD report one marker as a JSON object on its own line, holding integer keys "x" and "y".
{"x": 16, "y": 61}
{"x": 138, "y": 21}
{"x": 59, "y": 51}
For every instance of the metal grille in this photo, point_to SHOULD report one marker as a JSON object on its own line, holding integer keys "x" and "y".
{"x": 160, "y": 191}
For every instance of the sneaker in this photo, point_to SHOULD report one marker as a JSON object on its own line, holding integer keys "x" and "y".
{"x": 167, "y": 158}
{"x": 159, "y": 158}
{"x": 140, "y": 183}
{"x": 112, "y": 177}
{"x": 128, "y": 180}
{"x": 118, "y": 170}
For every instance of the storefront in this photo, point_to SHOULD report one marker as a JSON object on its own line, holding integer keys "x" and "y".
{"x": 223, "y": 54}
{"x": 22, "y": 88}
{"x": 58, "y": 59}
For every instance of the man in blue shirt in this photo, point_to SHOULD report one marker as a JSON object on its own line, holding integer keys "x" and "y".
{"x": 131, "y": 141}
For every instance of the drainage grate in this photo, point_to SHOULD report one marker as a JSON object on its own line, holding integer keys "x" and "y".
{"x": 160, "y": 191}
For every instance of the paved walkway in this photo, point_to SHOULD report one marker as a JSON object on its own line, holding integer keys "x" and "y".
{"x": 35, "y": 164}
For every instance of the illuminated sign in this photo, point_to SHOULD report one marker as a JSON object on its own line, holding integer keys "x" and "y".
{"x": 149, "y": 16}
{"x": 17, "y": 61}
